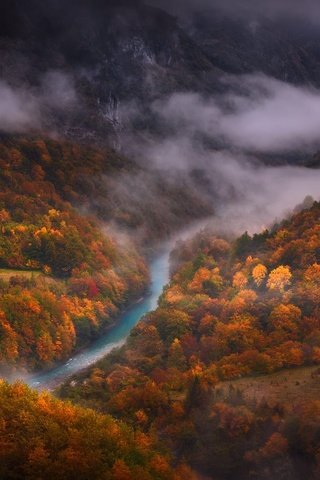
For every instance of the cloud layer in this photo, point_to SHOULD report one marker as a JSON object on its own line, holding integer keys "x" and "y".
{"x": 260, "y": 114}
{"x": 252, "y": 197}
{"x": 23, "y": 108}
{"x": 227, "y": 137}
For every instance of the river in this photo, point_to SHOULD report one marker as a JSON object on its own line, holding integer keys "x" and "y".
{"x": 116, "y": 336}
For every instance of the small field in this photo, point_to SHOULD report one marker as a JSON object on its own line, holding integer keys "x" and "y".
{"x": 286, "y": 386}
{"x": 6, "y": 274}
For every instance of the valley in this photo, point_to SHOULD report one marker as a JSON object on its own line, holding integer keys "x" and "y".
{"x": 159, "y": 240}
{"x": 117, "y": 334}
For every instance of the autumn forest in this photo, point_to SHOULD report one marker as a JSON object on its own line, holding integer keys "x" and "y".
{"x": 159, "y": 240}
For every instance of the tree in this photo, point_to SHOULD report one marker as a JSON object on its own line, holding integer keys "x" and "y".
{"x": 176, "y": 358}
{"x": 120, "y": 471}
{"x": 275, "y": 445}
{"x": 259, "y": 273}
{"x": 243, "y": 245}
{"x": 171, "y": 324}
{"x": 45, "y": 348}
{"x": 279, "y": 278}
{"x": 286, "y": 319}
{"x": 239, "y": 280}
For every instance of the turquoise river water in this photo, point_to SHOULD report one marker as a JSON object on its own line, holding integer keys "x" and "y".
{"x": 116, "y": 336}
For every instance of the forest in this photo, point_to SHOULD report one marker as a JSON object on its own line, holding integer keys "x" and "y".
{"x": 232, "y": 310}
{"x": 62, "y": 279}
{"x": 159, "y": 240}
{"x": 42, "y": 437}
{"x": 168, "y": 404}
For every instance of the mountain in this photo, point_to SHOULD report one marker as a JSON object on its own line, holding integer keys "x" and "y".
{"x": 120, "y": 125}
{"x": 116, "y": 53}
{"x": 283, "y": 47}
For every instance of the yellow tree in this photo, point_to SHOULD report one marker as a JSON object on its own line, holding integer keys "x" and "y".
{"x": 279, "y": 278}
{"x": 259, "y": 273}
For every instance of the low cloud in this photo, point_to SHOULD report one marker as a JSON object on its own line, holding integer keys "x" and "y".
{"x": 251, "y": 197}
{"x": 24, "y": 108}
{"x": 223, "y": 140}
{"x": 260, "y": 114}
{"x": 19, "y": 110}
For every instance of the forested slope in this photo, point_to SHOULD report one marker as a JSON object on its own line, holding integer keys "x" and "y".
{"x": 42, "y": 437}
{"x": 233, "y": 309}
{"x": 145, "y": 202}
{"x": 63, "y": 280}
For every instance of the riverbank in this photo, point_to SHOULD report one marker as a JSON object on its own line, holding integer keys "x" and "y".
{"x": 116, "y": 334}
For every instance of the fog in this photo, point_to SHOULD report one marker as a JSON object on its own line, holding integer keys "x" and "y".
{"x": 24, "y": 108}
{"x": 253, "y": 198}
{"x": 258, "y": 114}
{"x": 227, "y": 138}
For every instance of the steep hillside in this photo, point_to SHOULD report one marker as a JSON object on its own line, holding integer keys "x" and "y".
{"x": 145, "y": 202}
{"x": 44, "y": 438}
{"x": 283, "y": 47}
{"x": 232, "y": 310}
{"x": 63, "y": 280}
{"x": 67, "y": 273}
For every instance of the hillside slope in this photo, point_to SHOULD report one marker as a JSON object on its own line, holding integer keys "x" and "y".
{"x": 147, "y": 203}
{"x": 42, "y": 437}
{"x": 63, "y": 280}
{"x": 232, "y": 310}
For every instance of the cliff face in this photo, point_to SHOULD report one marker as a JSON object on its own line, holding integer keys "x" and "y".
{"x": 284, "y": 48}
{"x": 124, "y": 51}
{"x": 115, "y": 52}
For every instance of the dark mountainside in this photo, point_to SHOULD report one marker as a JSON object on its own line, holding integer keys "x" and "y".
{"x": 286, "y": 49}
{"x": 117, "y": 52}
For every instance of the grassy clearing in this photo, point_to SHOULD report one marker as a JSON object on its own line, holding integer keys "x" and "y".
{"x": 7, "y": 273}
{"x": 286, "y": 386}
